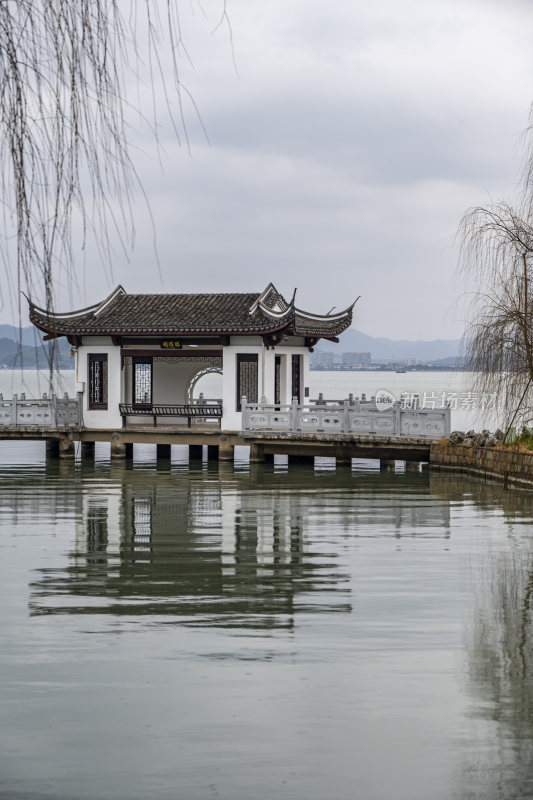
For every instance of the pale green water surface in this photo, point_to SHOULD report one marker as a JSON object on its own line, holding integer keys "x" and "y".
{"x": 226, "y": 631}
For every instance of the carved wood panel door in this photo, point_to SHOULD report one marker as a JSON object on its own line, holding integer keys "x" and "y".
{"x": 247, "y": 377}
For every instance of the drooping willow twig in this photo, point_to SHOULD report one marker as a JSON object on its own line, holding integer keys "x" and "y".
{"x": 497, "y": 262}
{"x": 65, "y": 70}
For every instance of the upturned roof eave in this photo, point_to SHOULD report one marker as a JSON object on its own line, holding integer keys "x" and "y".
{"x": 56, "y": 330}
{"x": 289, "y": 327}
{"x": 56, "y": 325}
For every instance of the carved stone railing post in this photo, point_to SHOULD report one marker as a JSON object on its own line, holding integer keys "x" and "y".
{"x": 397, "y": 419}
{"x": 80, "y": 408}
{"x": 294, "y": 414}
{"x": 53, "y": 410}
{"x": 447, "y": 420}
{"x": 346, "y": 417}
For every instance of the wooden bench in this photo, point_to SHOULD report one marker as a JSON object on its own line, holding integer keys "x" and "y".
{"x": 200, "y": 411}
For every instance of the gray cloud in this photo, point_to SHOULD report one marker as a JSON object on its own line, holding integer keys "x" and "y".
{"x": 341, "y": 159}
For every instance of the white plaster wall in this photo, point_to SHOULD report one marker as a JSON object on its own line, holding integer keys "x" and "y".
{"x": 286, "y": 352}
{"x": 170, "y": 381}
{"x": 305, "y": 376}
{"x": 286, "y": 377}
{"x": 267, "y": 390}
{"x": 93, "y": 418}
{"x": 232, "y": 419}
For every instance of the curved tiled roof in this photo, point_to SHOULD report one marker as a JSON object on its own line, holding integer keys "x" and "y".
{"x": 190, "y": 314}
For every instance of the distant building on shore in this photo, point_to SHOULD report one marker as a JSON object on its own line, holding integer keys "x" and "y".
{"x": 323, "y": 360}
{"x": 356, "y": 359}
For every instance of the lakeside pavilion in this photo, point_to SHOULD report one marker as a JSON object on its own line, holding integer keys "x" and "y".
{"x": 141, "y": 355}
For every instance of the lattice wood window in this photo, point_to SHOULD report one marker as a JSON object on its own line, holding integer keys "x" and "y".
{"x": 296, "y": 383}
{"x": 277, "y": 380}
{"x": 246, "y": 377}
{"x": 141, "y": 393}
{"x": 97, "y": 381}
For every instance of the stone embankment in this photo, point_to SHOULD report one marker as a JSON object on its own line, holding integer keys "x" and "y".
{"x": 483, "y": 454}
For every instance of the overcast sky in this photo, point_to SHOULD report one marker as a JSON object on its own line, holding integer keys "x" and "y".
{"x": 341, "y": 156}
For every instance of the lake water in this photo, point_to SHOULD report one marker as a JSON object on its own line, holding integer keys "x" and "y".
{"x": 469, "y": 409}
{"x": 243, "y": 631}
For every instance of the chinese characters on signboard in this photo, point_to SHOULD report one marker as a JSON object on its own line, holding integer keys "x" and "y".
{"x": 170, "y": 344}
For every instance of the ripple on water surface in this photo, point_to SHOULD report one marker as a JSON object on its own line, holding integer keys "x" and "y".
{"x": 243, "y": 630}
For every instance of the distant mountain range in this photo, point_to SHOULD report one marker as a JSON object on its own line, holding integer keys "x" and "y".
{"x": 385, "y": 350}
{"x": 23, "y": 348}
{"x": 33, "y": 352}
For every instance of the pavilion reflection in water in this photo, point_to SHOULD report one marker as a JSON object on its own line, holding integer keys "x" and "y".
{"x": 206, "y": 550}
{"x": 225, "y": 547}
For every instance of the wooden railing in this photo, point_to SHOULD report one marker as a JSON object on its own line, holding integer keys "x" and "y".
{"x": 202, "y": 409}
{"x": 355, "y": 417}
{"x": 47, "y": 412}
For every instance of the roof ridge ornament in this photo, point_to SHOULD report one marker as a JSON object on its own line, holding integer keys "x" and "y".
{"x": 109, "y": 299}
{"x": 262, "y": 296}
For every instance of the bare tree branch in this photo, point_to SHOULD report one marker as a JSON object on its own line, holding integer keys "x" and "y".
{"x": 65, "y": 66}
{"x": 496, "y": 258}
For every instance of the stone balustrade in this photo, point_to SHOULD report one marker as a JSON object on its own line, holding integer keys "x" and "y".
{"x": 353, "y": 416}
{"x": 46, "y": 412}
